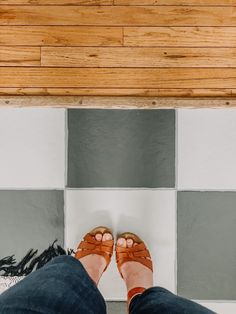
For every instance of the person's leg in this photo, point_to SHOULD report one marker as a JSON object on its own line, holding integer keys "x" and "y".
{"x": 61, "y": 286}
{"x": 157, "y": 300}
{"x": 154, "y": 300}
{"x": 66, "y": 284}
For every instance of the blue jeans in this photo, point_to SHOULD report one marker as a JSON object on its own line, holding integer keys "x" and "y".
{"x": 63, "y": 286}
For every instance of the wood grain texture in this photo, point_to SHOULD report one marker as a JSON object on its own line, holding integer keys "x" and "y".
{"x": 118, "y": 15}
{"x": 60, "y": 36}
{"x": 116, "y": 102}
{"x": 118, "y": 77}
{"x": 19, "y": 56}
{"x": 180, "y": 36}
{"x": 181, "y": 48}
{"x": 56, "y": 2}
{"x": 137, "y": 57}
{"x": 140, "y": 92}
{"x": 176, "y": 2}
{"x": 120, "y": 2}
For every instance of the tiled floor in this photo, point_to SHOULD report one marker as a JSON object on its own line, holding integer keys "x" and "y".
{"x": 149, "y": 213}
{"x": 30, "y": 219}
{"x": 168, "y": 175}
{"x": 106, "y": 150}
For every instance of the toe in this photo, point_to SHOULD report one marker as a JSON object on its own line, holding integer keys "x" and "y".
{"x": 107, "y": 237}
{"x": 130, "y": 243}
{"x": 121, "y": 242}
{"x": 98, "y": 237}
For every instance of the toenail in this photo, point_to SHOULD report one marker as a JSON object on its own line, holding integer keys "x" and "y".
{"x": 98, "y": 237}
{"x": 107, "y": 236}
{"x": 120, "y": 241}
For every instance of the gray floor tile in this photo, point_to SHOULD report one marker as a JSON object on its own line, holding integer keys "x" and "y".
{"x": 206, "y": 245}
{"x": 121, "y": 148}
{"x": 116, "y": 307}
{"x": 30, "y": 219}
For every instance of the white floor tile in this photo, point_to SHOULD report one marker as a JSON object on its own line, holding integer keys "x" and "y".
{"x": 220, "y": 307}
{"x": 206, "y": 148}
{"x": 8, "y": 282}
{"x": 151, "y": 214}
{"x": 32, "y": 148}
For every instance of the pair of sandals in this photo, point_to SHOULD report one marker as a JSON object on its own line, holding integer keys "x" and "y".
{"x": 137, "y": 253}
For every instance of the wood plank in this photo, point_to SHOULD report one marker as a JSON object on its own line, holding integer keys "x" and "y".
{"x": 180, "y": 36}
{"x": 137, "y": 57}
{"x": 159, "y": 92}
{"x": 19, "y": 56}
{"x": 116, "y": 102}
{"x": 118, "y": 77}
{"x": 56, "y": 2}
{"x": 118, "y": 15}
{"x": 164, "y": 92}
{"x": 176, "y": 2}
{"x": 60, "y": 36}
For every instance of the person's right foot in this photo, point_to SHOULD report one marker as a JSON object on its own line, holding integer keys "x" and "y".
{"x": 95, "y": 264}
{"x": 134, "y": 274}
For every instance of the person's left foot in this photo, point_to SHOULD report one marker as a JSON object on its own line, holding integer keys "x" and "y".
{"x": 94, "y": 263}
{"x": 134, "y": 273}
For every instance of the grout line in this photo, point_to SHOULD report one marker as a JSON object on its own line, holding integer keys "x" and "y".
{"x": 26, "y": 188}
{"x": 149, "y": 189}
{"x": 45, "y": 188}
{"x": 206, "y": 190}
{"x": 109, "y": 188}
{"x": 65, "y": 220}
{"x": 65, "y": 176}
{"x": 176, "y": 242}
{"x": 120, "y": 189}
{"x": 66, "y": 147}
{"x": 176, "y": 149}
{"x": 176, "y": 204}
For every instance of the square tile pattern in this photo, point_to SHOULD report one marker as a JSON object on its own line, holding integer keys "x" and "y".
{"x": 150, "y": 213}
{"x": 30, "y": 219}
{"x": 206, "y": 245}
{"x": 121, "y": 148}
{"x": 32, "y": 145}
{"x": 64, "y": 171}
{"x": 206, "y": 149}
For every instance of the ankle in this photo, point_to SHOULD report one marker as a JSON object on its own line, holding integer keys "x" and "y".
{"x": 94, "y": 265}
{"x": 136, "y": 275}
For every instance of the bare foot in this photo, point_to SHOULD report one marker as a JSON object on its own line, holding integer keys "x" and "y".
{"x": 94, "y": 263}
{"x": 134, "y": 273}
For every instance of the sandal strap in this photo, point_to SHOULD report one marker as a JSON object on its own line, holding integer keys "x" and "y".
{"x": 137, "y": 253}
{"x": 139, "y": 250}
{"x": 90, "y": 245}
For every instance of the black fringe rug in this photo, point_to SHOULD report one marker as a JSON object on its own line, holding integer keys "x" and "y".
{"x": 31, "y": 261}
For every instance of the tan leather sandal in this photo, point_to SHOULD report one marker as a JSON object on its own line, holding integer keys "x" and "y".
{"x": 137, "y": 253}
{"x": 89, "y": 245}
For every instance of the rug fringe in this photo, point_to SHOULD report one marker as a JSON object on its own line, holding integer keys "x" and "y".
{"x": 31, "y": 262}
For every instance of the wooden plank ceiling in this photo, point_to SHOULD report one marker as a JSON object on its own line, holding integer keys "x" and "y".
{"x": 118, "y": 47}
